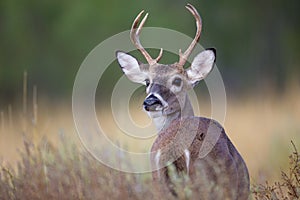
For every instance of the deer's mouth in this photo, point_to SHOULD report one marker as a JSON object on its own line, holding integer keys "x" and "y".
{"x": 153, "y": 108}
{"x": 154, "y": 103}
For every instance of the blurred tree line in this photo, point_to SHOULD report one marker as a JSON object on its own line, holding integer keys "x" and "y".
{"x": 257, "y": 41}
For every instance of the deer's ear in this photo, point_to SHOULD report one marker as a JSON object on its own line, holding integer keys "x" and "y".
{"x": 131, "y": 67}
{"x": 201, "y": 66}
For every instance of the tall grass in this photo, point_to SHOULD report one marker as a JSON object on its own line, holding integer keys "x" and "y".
{"x": 48, "y": 172}
{"x": 66, "y": 172}
{"x": 288, "y": 187}
{"x": 41, "y": 156}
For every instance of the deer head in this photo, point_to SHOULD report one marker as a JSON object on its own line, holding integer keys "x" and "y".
{"x": 167, "y": 85}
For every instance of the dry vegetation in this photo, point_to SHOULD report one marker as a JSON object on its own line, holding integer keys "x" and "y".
{"x": 42, "y": 158}
{"x": 289, "y": 185}
{"x": 65, "y": 172}
{"x": 45, "y": 172}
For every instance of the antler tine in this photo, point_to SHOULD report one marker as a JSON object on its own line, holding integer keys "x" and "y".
{"x": 183, "y": 56}
{"x": 138, "y": 31}
{"x": 159, "y": 55}
{"x": 135, "y": 38}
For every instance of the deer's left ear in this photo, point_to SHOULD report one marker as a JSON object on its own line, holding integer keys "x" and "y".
{"x": 131, "y": 67}
{"x": 201, "y": 66}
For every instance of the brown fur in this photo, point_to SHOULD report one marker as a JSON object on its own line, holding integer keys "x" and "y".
{"x": 194, "y": 145}
{"x": 221, "y": 174}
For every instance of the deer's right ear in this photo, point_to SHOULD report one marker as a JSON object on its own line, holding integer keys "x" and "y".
{"x": 131, "y": 67}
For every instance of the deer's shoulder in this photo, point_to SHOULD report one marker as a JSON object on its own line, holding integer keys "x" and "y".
{"x": 188, "y": 129}
{"x": 191, "y": 124}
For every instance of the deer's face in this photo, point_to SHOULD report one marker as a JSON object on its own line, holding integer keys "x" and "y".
{"x": 166, "y": 85}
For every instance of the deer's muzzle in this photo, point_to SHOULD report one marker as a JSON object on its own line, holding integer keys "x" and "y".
{"x": 152, "y": 103}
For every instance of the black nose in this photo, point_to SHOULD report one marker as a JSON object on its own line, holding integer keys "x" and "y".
{"x": 150, "y": 101}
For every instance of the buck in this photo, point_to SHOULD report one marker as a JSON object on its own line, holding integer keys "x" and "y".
{"x": 196, "y": 146}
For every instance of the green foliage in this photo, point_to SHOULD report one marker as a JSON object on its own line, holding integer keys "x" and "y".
{"x": 51, "y": 38}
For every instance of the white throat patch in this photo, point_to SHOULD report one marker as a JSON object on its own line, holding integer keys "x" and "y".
{"x": 157, "y": 116}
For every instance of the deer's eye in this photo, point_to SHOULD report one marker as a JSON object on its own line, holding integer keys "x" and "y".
{"x": 147, "y": 82}
{"x": 177, "y": 82}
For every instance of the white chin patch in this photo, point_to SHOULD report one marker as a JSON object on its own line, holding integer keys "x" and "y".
{"x": 155, "y": 114}
{"x": 158, "y": 118}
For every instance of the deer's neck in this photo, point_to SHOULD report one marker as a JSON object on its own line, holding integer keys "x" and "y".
{"x": 164, "y": 121}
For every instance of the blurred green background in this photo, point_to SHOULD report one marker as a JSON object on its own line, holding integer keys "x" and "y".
{"x": 257, "y": 42}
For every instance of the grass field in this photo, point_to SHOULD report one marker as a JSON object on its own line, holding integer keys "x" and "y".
{"x": 41, "y": 156}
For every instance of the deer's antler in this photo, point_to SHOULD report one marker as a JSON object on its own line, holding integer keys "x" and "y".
{"x": 184, "y": 56}
{"x": 135, "y": 38}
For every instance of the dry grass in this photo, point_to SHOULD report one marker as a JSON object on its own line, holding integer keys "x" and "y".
{"x": 288, "y": 188}
{"x": 48, "y": 172}
{"x": 59, "y": 168}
